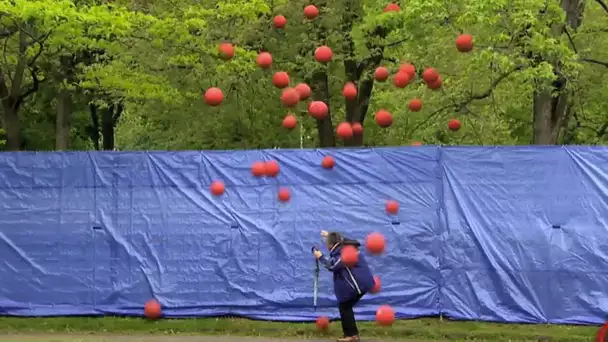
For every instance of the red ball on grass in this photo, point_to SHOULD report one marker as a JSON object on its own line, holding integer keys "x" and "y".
{"x": 279, "y": 21}
{"x": 384, "y": 118}
{"x": 214, "y": 96}
{"x": 280, "y": 79}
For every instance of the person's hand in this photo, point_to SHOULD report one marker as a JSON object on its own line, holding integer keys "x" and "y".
{"x": 317, "y": 254}
{"x": 324, "y": 233}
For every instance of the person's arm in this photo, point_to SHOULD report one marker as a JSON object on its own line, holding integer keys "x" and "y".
{"x": 332, "y": 264}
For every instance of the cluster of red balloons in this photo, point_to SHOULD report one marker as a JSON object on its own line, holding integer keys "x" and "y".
{"x": 319, "y": 110}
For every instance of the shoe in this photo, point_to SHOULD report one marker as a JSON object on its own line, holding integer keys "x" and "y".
{"x": 349, "y": 339}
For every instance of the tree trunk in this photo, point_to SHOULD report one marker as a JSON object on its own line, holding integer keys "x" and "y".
{"x": 94, "y": 126}
{"x": 11, "y": 125}
{"x": 551, "y": 106}
{"x": 320, "y": 92}
{"x": 62, "y": 121}
{"x": 109, "y": 119}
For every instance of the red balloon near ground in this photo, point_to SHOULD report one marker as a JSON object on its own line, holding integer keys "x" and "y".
{"x": 401, "y": 79}
{"x": 384, "y": 118}
{"x": 322, "y": 323}
{"x": 344, "y": 131}
{"x": 304, "y": 90}
{"x": 258, "y": 169}
{"x": 264, "y": 60}
{"x": 290, "y": 121}
{"x": 272, "y": 168}
{"x": 392, "y": 207}
{"x": 217, "y": 188}
{"x": 318, "y": 110}
{"x": 377, "y": 285}
{"x": 279, "y": 21}
{"x": 290, "y": 97}
{"x": 436, "y": 84}
{"x": 349, "y": 255}
{"x": 430, "y": 74}
{"x": 381, "y": 74}
{"x": 417, "y": 143}
{"x": 214, "y": 96}
{"x": 357, "y": 128}
{"x": 385, "y": 316}
{"x": 454, "y": 124}
{"x": 409, "y": 69}
{"x": 464, "y": 43}
{"x": 284, "y": 195}
{"x": 280, "y": 79}
{"x": 311, "y": 12}
{"x": 226, "y": 51}
{"x": 328, "y": 162}
{"x": 323, "y": 54}
{"x": 152, "y": 309}
{"x": 392, "y": 8}
{"x": 349, "y": 91}
{"x": 415, "y": 105}
{"x": 375, "y": 243}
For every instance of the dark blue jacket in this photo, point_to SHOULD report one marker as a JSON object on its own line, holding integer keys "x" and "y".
{"x": 349, "y": 282}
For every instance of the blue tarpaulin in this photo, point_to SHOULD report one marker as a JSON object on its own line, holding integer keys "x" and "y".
{"x": 512, "y": 234}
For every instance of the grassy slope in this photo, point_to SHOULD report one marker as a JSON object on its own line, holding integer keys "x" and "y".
{"x": 428, "y": 329}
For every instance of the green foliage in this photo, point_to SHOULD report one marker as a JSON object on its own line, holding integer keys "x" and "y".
{"x": 2, "y": 141}
{"x": 158, "y": 57}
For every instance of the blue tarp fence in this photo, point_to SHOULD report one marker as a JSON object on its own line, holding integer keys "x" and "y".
{"x": 511, "y": 234}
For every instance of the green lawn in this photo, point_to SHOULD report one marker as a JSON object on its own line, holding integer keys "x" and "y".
{"x": 427, "y": 329}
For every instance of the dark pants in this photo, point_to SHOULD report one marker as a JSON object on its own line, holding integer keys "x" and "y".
{"x": 347, "y": 317}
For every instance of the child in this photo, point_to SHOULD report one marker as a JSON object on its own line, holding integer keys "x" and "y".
{"x": 350, "y": 283}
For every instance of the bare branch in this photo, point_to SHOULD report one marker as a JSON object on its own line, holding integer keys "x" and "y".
{"x": 603, "y": 4}
{"x": 595, "y": 61}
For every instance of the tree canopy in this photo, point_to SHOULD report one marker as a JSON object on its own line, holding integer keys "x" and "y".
{"x": 131, "y": 74}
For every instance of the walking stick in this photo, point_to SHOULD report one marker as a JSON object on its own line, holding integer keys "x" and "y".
{"x": 315, "y": 290}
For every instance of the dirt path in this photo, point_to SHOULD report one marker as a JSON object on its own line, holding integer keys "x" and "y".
{"x": 151, "y": 338}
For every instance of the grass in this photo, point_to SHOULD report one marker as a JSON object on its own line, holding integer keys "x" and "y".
{"x": 426, "y": 329}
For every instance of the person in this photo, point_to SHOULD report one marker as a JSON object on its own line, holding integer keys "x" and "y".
{"x": 350, "y": 283}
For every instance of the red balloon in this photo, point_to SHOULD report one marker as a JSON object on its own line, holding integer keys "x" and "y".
{"x": 357, "y": 128}
{"x": 436, "y": 84}
{"x": 344, "y": 131}
{"x": 311, "y": 12}
{"x": 454, "y": 124}
{"x": 415, "y": 105}
{"x": 290, "y": 97}
{"x": 322, "y": 323}
{"x": 318, "y": 110}
{"x": 328, "y": 162}
{"x": 290, "y": 121}
{"x": 375, "y": 243}
{"x": 350, "y": 91}
{"x": 385, "y": 316}
{"x": 152, "y": 309}
{"x": 381, "y": 74}
{"x": 392, "y": 8}
{"x": 409, "y": 69}
{"x": 401, "y": 79}
{"x": 226, "y": 51}
{"x": 377, "y": 285}
{"x": 304, "y": 91}
{"x": 280, "y": 79}
{"x": 214, "y": 96}
{"x": 392, "y": 207}
{"x": 349, "y": 255}
{"x": 417, "y": 143}
{"x": 272, "y": 168}
{"x": 258, "y": 169}
{"x": 384, "y": 118}
{"x": 284, "y": 195}
{"x": 464, "y": 43}
{"x": 323, "y": 54}
{"x": 429, "y": 75}
{"x": 264, "y": 60}
{"x": 279, "y": 21}
{"x": 217, "y": 188}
